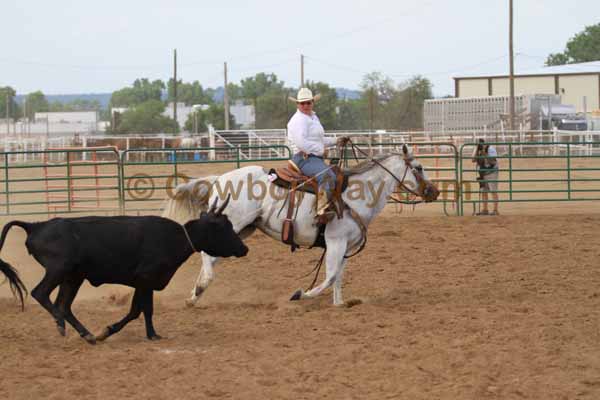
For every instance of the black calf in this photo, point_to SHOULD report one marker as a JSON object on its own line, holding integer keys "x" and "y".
{"x": 141, "y": 252}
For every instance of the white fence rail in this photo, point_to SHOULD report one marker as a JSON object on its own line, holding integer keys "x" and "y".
{"x": 253, "y": 143}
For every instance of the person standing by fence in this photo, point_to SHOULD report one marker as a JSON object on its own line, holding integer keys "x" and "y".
{"x": 487, "y": 175}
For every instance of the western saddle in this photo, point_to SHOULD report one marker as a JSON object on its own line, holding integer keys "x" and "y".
{"x": 291, "y": 177}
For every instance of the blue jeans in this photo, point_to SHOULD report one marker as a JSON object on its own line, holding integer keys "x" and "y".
{"x": 312, "y": 166}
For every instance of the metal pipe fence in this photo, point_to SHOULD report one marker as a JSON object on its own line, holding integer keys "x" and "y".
{"x": 106, "y": 180}
{"x": 534, "y": 172}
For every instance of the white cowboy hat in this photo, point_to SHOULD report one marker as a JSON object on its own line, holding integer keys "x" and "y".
{"x": 304, "y": 94}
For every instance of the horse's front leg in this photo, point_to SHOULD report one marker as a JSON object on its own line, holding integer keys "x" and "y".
{"x": 206, "y": 276}
{"x": 334, "y": 259}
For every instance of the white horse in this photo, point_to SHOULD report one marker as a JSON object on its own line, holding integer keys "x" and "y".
{"x": 257, "y": 203}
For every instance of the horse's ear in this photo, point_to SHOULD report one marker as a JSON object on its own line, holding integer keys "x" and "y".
{"x": 405, "y": 149}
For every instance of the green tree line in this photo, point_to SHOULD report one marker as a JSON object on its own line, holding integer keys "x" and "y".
{"x": 382, "y": 104}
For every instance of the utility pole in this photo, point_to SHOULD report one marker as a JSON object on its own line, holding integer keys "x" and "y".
{"x": 511, "y": 101}
{"x": 7, "y": 113}
{"x": 226, "y": 99}
{"x": 371, "y": 108}
{"x": 175, "y": 85}
{"x": 301, "y": 70}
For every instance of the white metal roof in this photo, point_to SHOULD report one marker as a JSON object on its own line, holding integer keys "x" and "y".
{"x": 592, "y": 67}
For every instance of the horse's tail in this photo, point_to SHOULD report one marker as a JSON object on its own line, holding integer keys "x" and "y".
{"x": 16, "y": 284}
{"x": 189, "y": 199}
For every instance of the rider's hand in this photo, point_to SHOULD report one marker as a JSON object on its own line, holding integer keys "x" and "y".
{"x": 342, "y": 141}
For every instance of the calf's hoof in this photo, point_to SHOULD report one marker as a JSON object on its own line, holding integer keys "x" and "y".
{"x": 102, "y": 336}
{"x": 297, "y": 295}
{"x": 154, "y": 337}
{"x": 91, "y": 339}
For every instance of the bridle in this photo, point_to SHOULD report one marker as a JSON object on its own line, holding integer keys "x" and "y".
{"x": 407, "y": 162}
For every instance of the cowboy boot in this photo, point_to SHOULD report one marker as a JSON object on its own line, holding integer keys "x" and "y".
{"x": 324, "y": 207}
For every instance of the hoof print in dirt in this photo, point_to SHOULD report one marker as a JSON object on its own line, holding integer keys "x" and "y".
{"x": 353, "y": 302}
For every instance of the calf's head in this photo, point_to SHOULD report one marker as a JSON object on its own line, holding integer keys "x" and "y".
{"x": 217, "y": 237}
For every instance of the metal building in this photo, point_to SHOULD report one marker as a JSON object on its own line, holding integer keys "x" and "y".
{"x": 576, "y": 84}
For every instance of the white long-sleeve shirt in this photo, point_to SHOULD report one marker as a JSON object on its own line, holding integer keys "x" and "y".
{"x": 305, "y": 133}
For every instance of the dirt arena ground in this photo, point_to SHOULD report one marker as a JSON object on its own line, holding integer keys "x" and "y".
{"x": 445, "y": 308}
{"x": 452, "y": 308}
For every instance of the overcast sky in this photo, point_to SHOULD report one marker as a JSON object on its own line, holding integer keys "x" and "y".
{"x": 63, "y": 47}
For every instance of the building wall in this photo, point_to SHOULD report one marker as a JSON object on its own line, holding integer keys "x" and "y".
{"x": 500, "y": 87}
{"x": 473, "y": 87}
{"x": 85, "y": 117}
{"x": 533, "y": 85}
{"x": 573, "y": 88}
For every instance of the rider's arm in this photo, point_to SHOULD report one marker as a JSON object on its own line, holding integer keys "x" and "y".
{"x": 329, "y": 141}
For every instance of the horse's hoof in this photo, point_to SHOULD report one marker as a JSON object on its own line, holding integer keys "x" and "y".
{"x": 297, "y": 295}
{"x": 190, "y": 303}
{"x": 155, "y": 337}
{"x": 61, "y": 330}
{"x": 91, "y": 339}
{"x": 198, "y": 291}
{"x": 105, "y": 333}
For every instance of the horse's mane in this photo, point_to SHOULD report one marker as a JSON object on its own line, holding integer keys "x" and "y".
{"x": 368, "y": 164}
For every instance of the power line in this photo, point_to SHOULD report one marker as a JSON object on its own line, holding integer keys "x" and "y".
{"x": 457, "y": 69}
{"x": 322, "y": 38}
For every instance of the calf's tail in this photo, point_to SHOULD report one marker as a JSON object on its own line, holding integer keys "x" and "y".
{"x": 16, "y": 284}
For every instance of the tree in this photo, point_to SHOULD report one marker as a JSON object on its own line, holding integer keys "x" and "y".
{"x": 378, "y": 90}
{"x": 405, "y": 109}
{"x": 275, "y": 108}
{"x": 382, "y": 85}
{"x": 326, "y": 107}
{"x": 214, "y": 115}
{"x": 35, "y": 102}
{"x": 583, "y": 47}
{"x": 146, "y": 117}
{"x": 255, "y": 87}
{"x": 188, "y": 93}
{"x": 14, "y": 109}
{"x": 351, "y": 115}
{"x": 75, "y": 105}
{"x": 234, "y": 91}
{"x": 141, "y": 91}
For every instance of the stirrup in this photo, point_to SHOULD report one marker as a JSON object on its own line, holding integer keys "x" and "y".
{"x": 325, "y": 217}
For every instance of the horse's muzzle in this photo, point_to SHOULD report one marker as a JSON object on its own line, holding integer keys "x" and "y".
{"x": 430, "y": 193}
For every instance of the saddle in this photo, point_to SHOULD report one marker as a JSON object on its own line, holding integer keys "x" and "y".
{"x": 291, "y": 177}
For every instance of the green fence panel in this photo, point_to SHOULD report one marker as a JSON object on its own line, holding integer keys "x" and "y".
{"x": 548, "y": 169}
{"x": 143, "y": 191}
{"x": 69, "y": 180}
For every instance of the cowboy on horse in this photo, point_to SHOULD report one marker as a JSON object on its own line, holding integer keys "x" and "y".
{"x": 307, "y": 140}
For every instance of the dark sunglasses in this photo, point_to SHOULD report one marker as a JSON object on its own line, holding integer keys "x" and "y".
{"x": 305, "y": 103}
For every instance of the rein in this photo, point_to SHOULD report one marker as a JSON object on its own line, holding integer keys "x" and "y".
{"x": 400, "y": 181}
